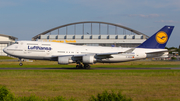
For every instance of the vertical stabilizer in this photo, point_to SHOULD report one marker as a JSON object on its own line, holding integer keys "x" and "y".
{"x": 159, "y": 39}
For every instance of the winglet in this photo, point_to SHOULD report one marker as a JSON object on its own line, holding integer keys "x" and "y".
{"x": 159, "y": 39}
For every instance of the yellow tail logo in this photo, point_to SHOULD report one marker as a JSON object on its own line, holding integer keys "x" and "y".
{"x": 161, "y": 37}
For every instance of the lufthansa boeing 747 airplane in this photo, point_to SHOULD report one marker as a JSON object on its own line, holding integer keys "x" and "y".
{"x": 86, "y": 55}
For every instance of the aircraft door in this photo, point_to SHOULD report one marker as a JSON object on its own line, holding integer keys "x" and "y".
{"x": 48, "y": 52}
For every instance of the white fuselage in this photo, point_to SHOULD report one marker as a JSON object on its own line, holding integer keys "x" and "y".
{"x": 48, "y": 50}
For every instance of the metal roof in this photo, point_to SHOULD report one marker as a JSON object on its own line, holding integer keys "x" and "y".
{"x": 11, "y": 37}
{"x": 132, "y": 30}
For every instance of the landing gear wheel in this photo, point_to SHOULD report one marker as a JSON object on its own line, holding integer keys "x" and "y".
{"x": 81, "y": 65}
{"x": 20, "y": 64}
{"x": 87, "y": 66}
{"x": 77, "y": 66}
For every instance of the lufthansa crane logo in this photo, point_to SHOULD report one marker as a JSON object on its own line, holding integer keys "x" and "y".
{"x": 161, "y": 37}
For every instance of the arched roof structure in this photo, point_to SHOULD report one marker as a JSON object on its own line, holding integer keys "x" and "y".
{"x": 117, "y": 25}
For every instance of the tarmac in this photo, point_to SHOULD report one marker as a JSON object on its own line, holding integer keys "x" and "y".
{"x": 177, "y": 68}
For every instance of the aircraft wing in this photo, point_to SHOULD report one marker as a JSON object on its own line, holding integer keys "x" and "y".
{"x": 105, "y": 54}
{"x": 108, "y": 55}
{"x": 94, "y": 54}
{"x": 156, "y": 52}
{"x": 97, "y": 55}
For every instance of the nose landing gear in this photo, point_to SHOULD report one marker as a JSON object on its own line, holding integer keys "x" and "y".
{"x": 20, "y": 64}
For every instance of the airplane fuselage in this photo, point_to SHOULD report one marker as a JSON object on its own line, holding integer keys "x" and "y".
{"x": 49, "y": 50}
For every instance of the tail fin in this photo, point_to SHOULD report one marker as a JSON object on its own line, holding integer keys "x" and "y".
{"x": 159, "y": 39}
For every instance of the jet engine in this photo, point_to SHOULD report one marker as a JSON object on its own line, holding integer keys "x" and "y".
{"x": 89, "y": 59}
{"x": 65, "y": 60}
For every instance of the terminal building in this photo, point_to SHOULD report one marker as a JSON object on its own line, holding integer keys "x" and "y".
{"x": 92, "y": 33}
{"x": 6, "y": 40}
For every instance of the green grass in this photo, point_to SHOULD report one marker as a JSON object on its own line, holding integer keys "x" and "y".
{"x": 140, "y": 85}
{"x": 54, "y": 64}
{"x": 5, "y": 57}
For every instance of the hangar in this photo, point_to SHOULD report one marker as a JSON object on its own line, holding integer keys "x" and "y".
{"x": 93, "y": 33}
{"x": 6, "y": 40}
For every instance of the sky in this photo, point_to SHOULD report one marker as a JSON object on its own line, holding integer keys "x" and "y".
{"x": 25, "y": 19}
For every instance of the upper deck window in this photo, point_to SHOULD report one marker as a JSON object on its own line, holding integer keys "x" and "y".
{"x": 32, "y": 44}
{"x": 46, "y": 44}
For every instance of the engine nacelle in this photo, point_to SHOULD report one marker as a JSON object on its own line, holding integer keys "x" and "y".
{"x": 89, "y": 59}
{"x": 140, "y": 55}
{"x": 64, "y": 60}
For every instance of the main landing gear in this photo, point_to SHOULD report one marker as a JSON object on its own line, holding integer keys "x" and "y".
{"x": 83, "y": 66}
{"x": 20, "y": 64}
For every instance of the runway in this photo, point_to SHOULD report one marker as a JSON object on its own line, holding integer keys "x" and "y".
{"x": 173, "y": 68}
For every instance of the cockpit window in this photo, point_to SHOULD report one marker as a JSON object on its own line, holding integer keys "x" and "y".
{"x": 13, "y": 43}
